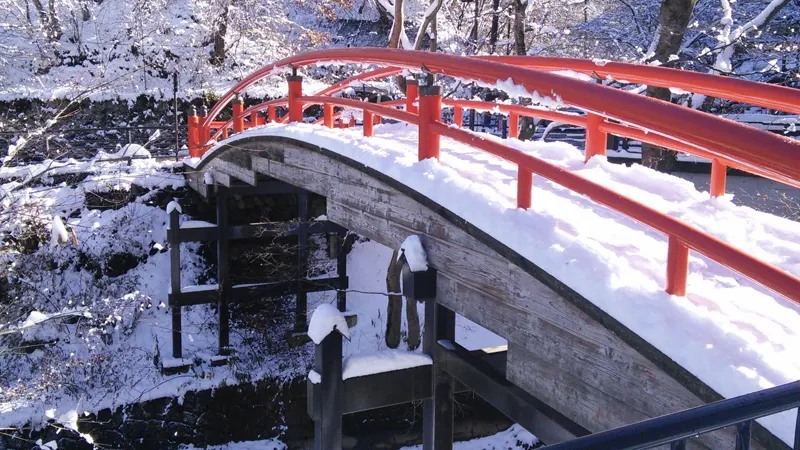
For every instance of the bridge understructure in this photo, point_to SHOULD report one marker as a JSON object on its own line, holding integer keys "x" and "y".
{"x": 570, "y": 369}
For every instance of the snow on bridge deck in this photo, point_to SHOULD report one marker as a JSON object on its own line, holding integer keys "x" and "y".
{"x": 733, "y": 334}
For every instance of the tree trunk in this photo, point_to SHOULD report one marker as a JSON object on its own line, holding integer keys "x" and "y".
{"x": 218, "y": 35}
{"x": 495, "y": 26}
{"x": 429, "y": 20}
{"x": 397, "y": 26}
{"x": 395, "y": 305}
{"x": 49, "y": 20}
{"x": 672, "y": 22}
{"x": 519, "y": 28}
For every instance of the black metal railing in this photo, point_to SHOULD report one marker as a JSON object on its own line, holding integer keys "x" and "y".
{"x": 675, "y": 429}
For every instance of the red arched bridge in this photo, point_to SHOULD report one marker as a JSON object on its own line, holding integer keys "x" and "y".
{"x": 583, "y": 355}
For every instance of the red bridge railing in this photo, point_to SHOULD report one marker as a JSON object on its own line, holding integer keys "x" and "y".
{"x": 608, "y": 110}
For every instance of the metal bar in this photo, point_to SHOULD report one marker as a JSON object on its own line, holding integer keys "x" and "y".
{"x": 341, "y": 270}
{"x": 744, "y": 433}
{"x": 328, "y": 363}
{"x": 685, "y": 424}
{"x": 534, "y": 415}
{"x": 222, "y": 270}
{"x": 437, "y": 413}
{"x": 301, "y": 303}
{"x": 175, "y": 282}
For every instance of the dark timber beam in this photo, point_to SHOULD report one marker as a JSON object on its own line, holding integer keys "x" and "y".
{"x": 544, "y": 422}
{"x": 175, "y": 283}
{"x": 301, "y": 302}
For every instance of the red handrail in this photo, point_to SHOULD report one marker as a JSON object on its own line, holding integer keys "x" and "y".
{"x": 725, "y": 142}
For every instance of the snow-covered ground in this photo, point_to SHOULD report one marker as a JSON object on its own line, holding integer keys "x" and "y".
{"x": 733, "y": 334}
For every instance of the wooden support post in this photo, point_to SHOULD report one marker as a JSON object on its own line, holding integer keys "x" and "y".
{"x": 430, "y": 110}
{"x": 437, "y": 414}
{"x": 328, "y": 364}
{"x": 524, "y": 186}
{"x": 596, "y": 138}
{"x": 472, "y": 120}
{"x": 301, "y": 304}
{"x": 718, "y": 174}
{"x": 273, "y": 113}
{"x": 458, "y": 116}
{"x": 513, "y": 125}
{"x": 341, "y": 270}
{"x": 368, "y": 122}
{"x": 744, "y": 433}
{"x": 677, "y": 267}
{"x": 222, "y": 270}
{"x": 254, "y": 119}
{"x": 327, "y": 115}
{"x": 175, "y": 282}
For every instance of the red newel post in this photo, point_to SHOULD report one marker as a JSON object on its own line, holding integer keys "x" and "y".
{"x": 524, "y": 186}
{"x": 254, "y": 119}
{"x": 458, "y": 116}
{"x": 368, "y": 122}
{"x": 412, "y": 92}
{"x": 193, "y": 122}
{"x": 513, "y": 125}
{"x": 677, "y": 267}
{"x": 352, "y": 122}
{"x": 295, "y": 92}
{"x": 238, "y": 111}
{"x": 718, "y": 174}
{"x": 595, "y": 138}
{"x": 327, "y": 115}
{"x": 203, "y": 133}
{"x": 430, "y": 110}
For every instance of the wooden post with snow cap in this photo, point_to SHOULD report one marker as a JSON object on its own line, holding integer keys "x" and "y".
{"x": 194, "y": 134}
{"x": 326, "y": 329}
{"x": 419, "y": 284}
{"x": 430, "y": 111}
{"x": 174, "y": 211}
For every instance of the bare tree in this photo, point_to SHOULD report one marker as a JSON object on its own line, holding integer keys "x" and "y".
{"x": 49, "y": 19}
{"x": 672, "y": 22}
{"x": 218, "y": 32}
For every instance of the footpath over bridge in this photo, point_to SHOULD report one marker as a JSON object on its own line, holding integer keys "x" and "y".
{"x": 575, "y": 349}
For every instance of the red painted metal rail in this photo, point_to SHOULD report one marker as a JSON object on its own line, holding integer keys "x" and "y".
{"x": 725, "y": 143}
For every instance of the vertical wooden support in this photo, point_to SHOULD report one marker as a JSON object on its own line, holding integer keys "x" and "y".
{"x": 430, "y": 110}
{"x": 222, "y": 270}
{"x": 327, "y": 115}
{"x": 254, "y": 119}
{"x": 175, "y": 282}
{"x": 341, "y": 270}
{"x": 368, "y": 123}
{"x": 328, "y": 364}
{"x": 458, "y": 116}
{"x": 513, "y": 125}
{"x": 295, "y": 91}
{"x": 677, "y": 267}
{"x": 203, "y": 133}
{"x": 378, "y": 118}
{"x": 744, "y": 433}
{"x": 524, "y": 186}
{"x": 596, "y": 139}
{"x": 301, "y": 304}
{"x": 437, "y": 414}
{"x": 273, "y": 113}
{"x": 238, "y": 109}
{"x": 472, "y": 119}
{"x": 352, "y": 122}
{"x": 718, "y": 174}
{"x": 412, "y": 92}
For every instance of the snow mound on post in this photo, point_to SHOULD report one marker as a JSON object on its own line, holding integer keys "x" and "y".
{"x": 325, "y": 319}
{"x": 363, "y": 364}
{"x": 172, "y": 206}
{"x": 415, "y": 255}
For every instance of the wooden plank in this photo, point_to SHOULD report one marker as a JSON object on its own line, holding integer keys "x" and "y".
{"x": 221, "y": 178}
{"x": 233, "y": 170}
